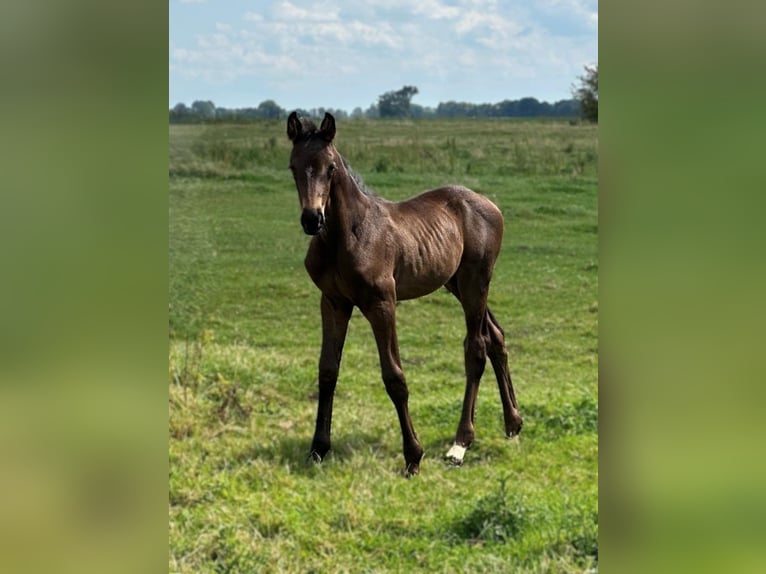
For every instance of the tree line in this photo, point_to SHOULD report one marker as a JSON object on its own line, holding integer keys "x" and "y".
{"x": 398, "y": 104}
{"x": 268, "y": 109}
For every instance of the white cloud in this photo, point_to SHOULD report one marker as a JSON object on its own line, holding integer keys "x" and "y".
{"x": 436, "y": 10}
{"x": 286, "y": 10}
{"x": 483, "y": 49}
{"x": 318, "y": 27}
{"x": 185, "y": 56}
{"x": 494, "y": 25}
{"x": 381, "y": 35}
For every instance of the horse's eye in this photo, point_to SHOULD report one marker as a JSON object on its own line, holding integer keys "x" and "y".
{"x": 330, "y": 169}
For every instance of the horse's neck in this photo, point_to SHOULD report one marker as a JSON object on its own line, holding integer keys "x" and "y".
{"x": 349, "y": 204}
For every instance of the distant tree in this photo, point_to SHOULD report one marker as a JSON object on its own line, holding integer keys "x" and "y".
{"x": 451, "y": 109}
{"x": 227, "y": 114}
{"x": 566, "y": 108}
{"x": 270, "y": 110}
{"x": 372, "y": 112}
{"x": 529, "y": 107}
{"x": 587, "y": 94}
{"x": 357, "y": 113}
{"x": 179, "y": 112}
{"x": 339, "y": 113}
{"x": 396, "y": 104}
{"x": 203, "y": 110}
{"x": 418, "y": 111}
{"x": 247, "y": 113}
{"x": 485, "y": 110}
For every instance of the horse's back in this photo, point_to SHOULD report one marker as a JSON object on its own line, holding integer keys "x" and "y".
{"x": 440, "y": 230}
{"x": 480, "y": 220}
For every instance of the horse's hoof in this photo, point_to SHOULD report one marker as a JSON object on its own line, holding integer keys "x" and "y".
{"x": 314, "y": 457}
{"x": 411, "y": 470}
{"x": 455, "y": 455}
{"x": 515, "y": 427}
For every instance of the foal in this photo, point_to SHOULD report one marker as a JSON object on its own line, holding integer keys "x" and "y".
{"x": 370, "y": 253}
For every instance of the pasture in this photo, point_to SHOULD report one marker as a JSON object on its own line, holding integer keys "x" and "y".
{"x": 244, "y": 344}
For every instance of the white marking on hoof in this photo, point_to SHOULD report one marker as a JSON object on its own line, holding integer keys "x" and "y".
{"x": 314, "y": 457}
{"x": 456, "y": 453}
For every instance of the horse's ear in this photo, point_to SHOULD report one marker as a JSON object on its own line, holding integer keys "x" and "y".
{"x": 328, "y": 127}
{"x": 294, "y": 126}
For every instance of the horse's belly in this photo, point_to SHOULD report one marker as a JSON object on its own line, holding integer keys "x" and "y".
{"x": 416, "y": 278}
{"x": 428, "y": 256}
{"x": 406, "y": 290}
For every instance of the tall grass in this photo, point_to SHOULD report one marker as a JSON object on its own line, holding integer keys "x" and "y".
{"x": 454, "y": 147}
{"x": 244, "y": 344}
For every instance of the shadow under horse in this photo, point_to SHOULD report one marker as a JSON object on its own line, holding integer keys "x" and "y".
{"x": 370, "y": 253}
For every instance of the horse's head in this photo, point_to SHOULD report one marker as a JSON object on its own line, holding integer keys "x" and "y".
{"x": 313, "y": 162}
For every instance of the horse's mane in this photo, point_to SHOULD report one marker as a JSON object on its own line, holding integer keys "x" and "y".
{"x": 357, "y": 178}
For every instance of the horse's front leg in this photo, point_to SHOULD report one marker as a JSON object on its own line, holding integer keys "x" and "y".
{"x": 335, "y": 317}
{"x": 382, "y": 316}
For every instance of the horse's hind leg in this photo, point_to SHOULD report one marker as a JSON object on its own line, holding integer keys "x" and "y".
{"x": 484, "y": 337}
{"x": 471, "y": 288}
{"x": 498, "y": 355}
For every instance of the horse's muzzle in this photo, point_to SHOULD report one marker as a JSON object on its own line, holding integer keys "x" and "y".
{"x": 312, "y": 221}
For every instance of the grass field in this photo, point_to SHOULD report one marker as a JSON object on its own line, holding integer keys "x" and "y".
{"x": 244, "y": 345}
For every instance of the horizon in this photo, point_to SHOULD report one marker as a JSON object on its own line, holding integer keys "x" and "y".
{"x": 343, "y": 55}
{"x": 363, "y": 108}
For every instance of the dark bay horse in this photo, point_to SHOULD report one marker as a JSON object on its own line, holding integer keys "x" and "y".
{"x": 370, "y": 253}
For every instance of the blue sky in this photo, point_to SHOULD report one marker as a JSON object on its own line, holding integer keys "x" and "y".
{"x": 344, "y": 54}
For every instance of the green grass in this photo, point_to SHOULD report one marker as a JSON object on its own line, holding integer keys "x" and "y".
{"x": 244, "y": 345}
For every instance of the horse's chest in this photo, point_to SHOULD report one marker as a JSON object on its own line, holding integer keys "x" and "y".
{"x": 332, "y": 275}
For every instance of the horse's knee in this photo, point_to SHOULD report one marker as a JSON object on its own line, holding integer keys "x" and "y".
{"x": 328, "y": 375}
